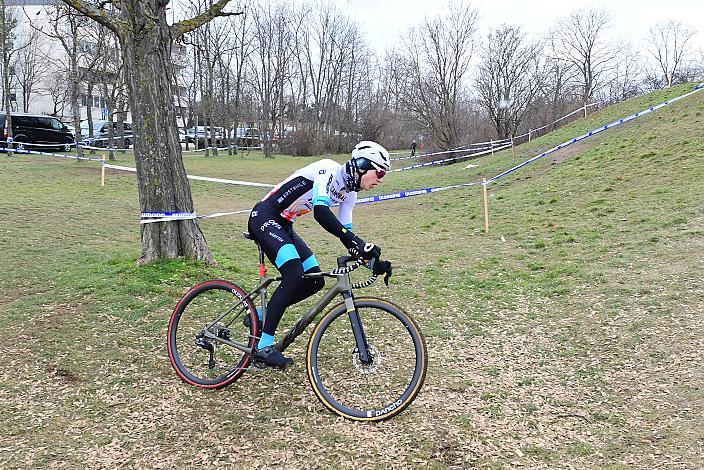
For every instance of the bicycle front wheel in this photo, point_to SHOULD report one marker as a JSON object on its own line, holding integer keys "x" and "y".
{"x": 389, "y": 382}
{"x": 207, "y": 316}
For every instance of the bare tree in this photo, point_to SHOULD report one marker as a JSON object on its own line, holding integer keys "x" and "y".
{"x": 626, "y": 77}
{"x": 270, "y": 65}
{"x": 510, "y": 73}
{"x": 580, "y": 41}
{"x": 146, "y": 39}
{"x": 56, "y": 88}
{"x": 436, "y": 62}
{"x": 67, "y": 27}
{"x": 670, "y": 43}
{"x": 7, "y": 37}
{"x": 29, "y": 66}
{"x": 236, "y": 68}
{"x": 110, "y": 77}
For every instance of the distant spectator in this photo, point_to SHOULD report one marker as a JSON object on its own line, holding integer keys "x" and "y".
{"x": 413, "y": 148}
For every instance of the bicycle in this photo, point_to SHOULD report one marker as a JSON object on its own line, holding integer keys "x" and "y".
{"x": 369, "y": 367}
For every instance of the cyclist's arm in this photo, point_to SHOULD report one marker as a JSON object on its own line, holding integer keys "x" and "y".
{"x": 342, "y": 227}
{"x": 325, "y": 217}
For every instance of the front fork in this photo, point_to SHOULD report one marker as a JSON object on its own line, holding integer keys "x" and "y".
{"x": 357, "y": 329}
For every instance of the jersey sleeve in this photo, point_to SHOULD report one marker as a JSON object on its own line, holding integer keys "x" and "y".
{"x": 344, "y": 213}
{"x": 321, "y": 186}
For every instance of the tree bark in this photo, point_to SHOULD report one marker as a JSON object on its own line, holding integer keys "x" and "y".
{"x": 146, "y": 39}
{"x": 6, "y": 76}
{"x": 161, "y": 176}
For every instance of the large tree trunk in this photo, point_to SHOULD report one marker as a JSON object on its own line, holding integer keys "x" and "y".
{"x": 161, "y": 177}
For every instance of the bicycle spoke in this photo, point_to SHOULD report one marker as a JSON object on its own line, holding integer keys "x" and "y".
{"x": 212, "y": 311}
{"x": 381, "y": 383}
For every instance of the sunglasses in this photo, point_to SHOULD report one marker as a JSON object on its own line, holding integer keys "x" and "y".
{"x": 380, "y": 174}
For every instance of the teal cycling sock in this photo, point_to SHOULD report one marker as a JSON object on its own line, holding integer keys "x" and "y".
{"x": 266, "y": 340}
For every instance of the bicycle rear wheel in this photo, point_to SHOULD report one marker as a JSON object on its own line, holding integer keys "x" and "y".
{"x": 378, "y": 390}
{"x": 213, "y": 308}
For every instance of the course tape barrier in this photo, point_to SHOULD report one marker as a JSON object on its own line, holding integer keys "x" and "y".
{"x": 464, "y": 148}
{"x": 452, "y": 159}
{"x": 49, "y": 154}
{"x": 494, "y": 142}
{"x": 153, "y": 217}
{"x": 430, "y": 190}
{"x": 199, "y": 178}
{"x": 422, "y": 191}
{"x": 531, "y": 131}
{"x": 594, "y": 132}
{"x": 72, "y": 144}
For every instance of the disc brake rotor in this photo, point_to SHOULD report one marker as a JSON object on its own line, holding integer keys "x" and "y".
{"x": 370, "y": 368}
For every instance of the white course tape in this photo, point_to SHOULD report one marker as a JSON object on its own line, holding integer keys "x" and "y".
{"x": 48, "y": 154}
{"x": 556, "y": 120}
{"x": 464, "y": 148}
{"x": 192, "y": 216}
{"x": 437, "y": 162}
{"x": 201, "y": 178}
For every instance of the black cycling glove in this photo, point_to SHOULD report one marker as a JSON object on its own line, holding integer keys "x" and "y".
{"x": 383, "y": 267}
{"x": 358, "y": 247}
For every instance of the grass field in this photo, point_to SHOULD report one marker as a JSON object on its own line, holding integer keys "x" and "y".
{"x": 569, "y": 336}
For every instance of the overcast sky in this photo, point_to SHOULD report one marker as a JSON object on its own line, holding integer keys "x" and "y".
{"x": 384, "y": 20}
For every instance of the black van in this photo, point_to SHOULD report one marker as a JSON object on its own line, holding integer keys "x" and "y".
{"x": 28, "y": 129}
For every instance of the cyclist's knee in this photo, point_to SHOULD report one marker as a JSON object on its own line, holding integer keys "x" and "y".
{"x": 316, "y": 284}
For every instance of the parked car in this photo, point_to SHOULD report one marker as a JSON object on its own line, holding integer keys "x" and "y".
{"x": 202, "y": 133}
{"x": 28, "y": 129}
{"x": 248, "y": 137}
{"x": 100, "y": 133}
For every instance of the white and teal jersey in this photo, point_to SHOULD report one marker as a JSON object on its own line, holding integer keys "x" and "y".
{"x": 322, "y": 182}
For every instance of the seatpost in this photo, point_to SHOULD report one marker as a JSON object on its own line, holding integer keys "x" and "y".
{"x": 262, "y": 267}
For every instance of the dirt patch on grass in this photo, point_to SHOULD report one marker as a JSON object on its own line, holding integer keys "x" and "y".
{"x": 571, "y": 150}
{"x": 11, "y": 296}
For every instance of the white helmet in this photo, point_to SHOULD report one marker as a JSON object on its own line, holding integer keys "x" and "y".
{"x": 366, "y": 155}
{"x": 375, "y": 154}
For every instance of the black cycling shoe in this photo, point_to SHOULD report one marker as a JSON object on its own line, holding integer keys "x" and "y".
{"x": 272, "y": 357}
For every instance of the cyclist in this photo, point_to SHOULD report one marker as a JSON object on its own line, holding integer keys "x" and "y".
{"x": 313, "y": 188}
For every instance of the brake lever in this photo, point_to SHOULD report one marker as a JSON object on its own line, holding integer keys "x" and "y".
{"x": 387, "y": 276}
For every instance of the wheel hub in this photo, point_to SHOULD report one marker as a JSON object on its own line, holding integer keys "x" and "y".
{"x": 370, "y": 368}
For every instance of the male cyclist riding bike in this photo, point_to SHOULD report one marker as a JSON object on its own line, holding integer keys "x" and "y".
{"x": 313, "y": 188}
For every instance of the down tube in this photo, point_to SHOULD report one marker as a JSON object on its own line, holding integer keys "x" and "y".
{"x": 303, "y": 323}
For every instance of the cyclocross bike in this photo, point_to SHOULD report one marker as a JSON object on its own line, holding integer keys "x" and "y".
{"x": 366, "y": 357}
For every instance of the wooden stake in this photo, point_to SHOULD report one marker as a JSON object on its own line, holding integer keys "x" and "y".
{"x": 486, "y": 206}
{"x": 102, "y": 172}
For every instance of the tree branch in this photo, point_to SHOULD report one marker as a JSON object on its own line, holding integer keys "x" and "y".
{"x": 186, "y": 26}
{"x": 93, "y": 12}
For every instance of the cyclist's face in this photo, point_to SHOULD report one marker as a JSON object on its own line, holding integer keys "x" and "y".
{"x": 371, "y": 179}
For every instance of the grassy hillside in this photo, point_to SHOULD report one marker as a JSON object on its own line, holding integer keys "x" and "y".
{"x": 570, "y": 335}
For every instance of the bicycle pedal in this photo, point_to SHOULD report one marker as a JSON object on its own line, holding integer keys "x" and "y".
{"x": 261, "y": 366}
{"x": 257, "y": 367}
